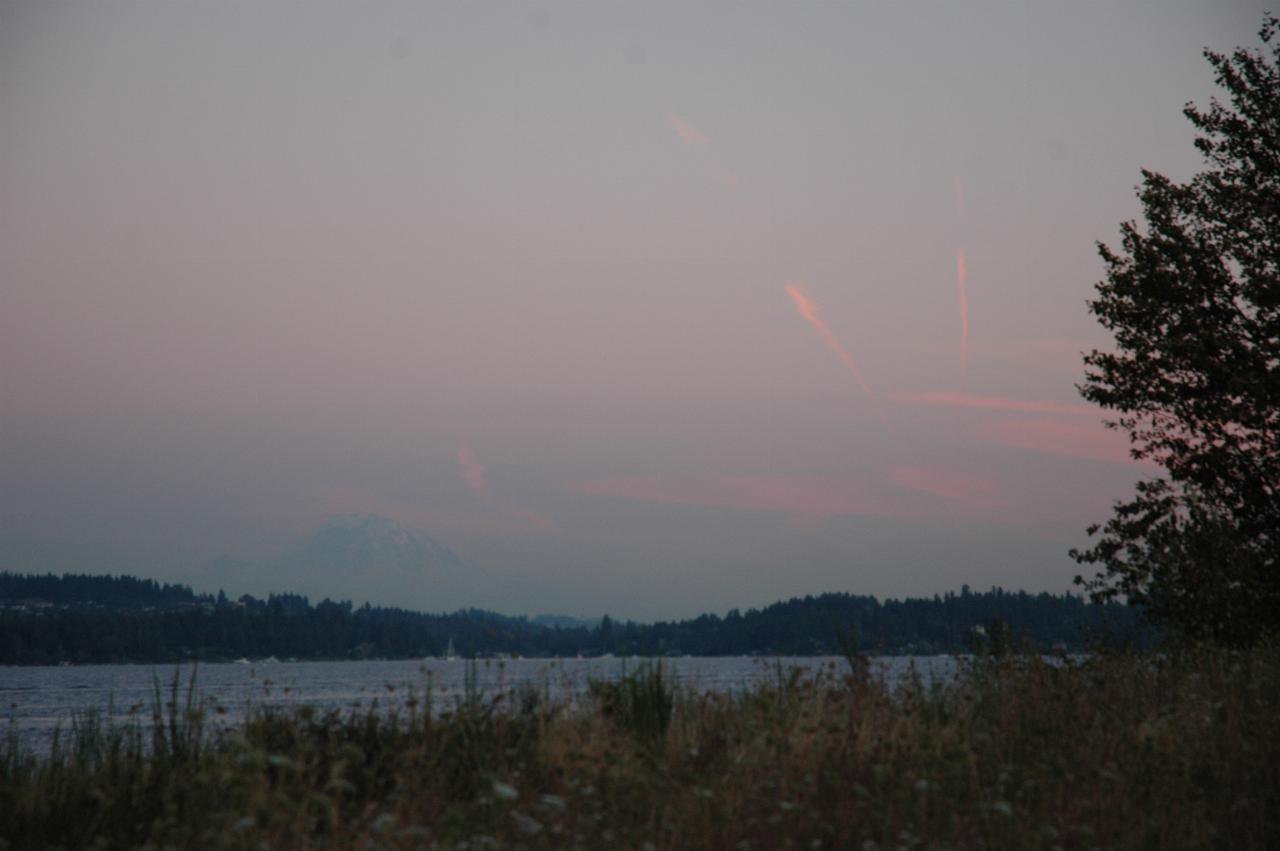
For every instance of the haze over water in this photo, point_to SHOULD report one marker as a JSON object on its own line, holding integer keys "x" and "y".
{"x": 650, "y": 310}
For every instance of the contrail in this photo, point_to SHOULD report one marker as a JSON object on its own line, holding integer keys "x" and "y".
{"x": 964, "y": 310}
{"x": 809, "y": 310}
{"x": 473, "y": 472}
{"x": 688, "y": 134}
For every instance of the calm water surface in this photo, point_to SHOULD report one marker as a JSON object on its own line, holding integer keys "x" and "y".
{"x": 36, "y": 700}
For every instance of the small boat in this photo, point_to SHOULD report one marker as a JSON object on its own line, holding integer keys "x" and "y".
{"x": 449, "y": 652}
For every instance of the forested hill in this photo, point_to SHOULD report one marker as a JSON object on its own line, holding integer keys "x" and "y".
{"x": 82, "y": 589}
{"x": 82, "y": 619}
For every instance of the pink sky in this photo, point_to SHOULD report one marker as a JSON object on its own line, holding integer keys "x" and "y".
{"x": 671, "y": 307}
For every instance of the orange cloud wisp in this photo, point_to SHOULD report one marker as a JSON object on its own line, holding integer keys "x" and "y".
{"x": 809, "y": 311}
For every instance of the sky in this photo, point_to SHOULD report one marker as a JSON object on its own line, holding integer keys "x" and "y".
{"x": 649, "y": 309}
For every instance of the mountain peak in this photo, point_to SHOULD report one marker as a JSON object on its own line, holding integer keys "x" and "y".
{"x": 362, "y": 542}
{"x": 363, "y": 557}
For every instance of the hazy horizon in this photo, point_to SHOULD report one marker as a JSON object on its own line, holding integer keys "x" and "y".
{"x": 647, "y": 310}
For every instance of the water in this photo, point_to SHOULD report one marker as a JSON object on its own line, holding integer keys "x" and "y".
{"x": 36, "y": 700}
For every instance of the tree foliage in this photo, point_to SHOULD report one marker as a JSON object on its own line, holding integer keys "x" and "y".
{"x": 45, "y": 620}
{"x": 1193, "y": 300}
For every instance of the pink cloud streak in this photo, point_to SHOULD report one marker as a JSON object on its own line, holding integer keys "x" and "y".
{"x": 686, "y": 132}
{"x": 473, "y": 472}
{"x": 808, "y": 309}
{"x": 975, "y": 491}
{"x": 961, "y": 274}
{"x": 798, "y": 496}
{"x": 1068, "y": 439}
{"x": 951, "y": 399}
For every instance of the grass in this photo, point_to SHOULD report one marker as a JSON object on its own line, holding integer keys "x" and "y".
{"x": 1123, "y": 751}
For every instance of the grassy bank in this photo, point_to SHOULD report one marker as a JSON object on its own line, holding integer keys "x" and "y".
{"x": 1178, "y": 751}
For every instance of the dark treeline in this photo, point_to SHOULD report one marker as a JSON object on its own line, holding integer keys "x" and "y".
{"x": 113, "y": 591}
{"x": 87, "y": 619}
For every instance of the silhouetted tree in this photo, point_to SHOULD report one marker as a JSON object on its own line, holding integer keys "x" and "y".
{"x": 1193, "y": 300}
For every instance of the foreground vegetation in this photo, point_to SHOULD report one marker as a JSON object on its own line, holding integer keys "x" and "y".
{"x": 1016, "y": 752}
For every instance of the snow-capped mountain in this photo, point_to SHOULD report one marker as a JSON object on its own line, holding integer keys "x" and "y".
{"x": 362, "y": 557}
{"x": 364, "y": 543}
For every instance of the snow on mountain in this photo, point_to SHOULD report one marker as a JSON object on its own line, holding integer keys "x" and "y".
{"x": 356, "y": 543}
{"x": 363, "y": 558}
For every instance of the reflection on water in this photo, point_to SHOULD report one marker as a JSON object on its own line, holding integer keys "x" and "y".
{"x": 38, "y": 699}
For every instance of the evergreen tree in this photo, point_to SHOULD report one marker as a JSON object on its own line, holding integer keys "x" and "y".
{"x": 1193, "y": 300}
